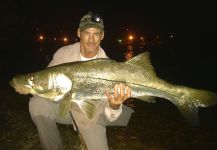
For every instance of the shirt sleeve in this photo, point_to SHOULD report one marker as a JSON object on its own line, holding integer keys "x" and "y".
{"x": 111, "y": 114}
{"x": 58, "y": 57}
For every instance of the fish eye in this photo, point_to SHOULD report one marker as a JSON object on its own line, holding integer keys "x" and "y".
{"x": 31, "y": 80}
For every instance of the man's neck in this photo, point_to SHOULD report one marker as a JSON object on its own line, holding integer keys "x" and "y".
{"x": 89, "y": 54}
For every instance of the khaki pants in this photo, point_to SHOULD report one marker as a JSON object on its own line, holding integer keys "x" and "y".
{"x": 44, "y": 114}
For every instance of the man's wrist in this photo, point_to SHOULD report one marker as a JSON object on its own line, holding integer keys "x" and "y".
{"x": 112, "y": 114}
{"x": 114, "y": 107}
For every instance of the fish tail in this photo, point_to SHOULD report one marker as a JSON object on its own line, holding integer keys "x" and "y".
{"x": 190, "y": 102}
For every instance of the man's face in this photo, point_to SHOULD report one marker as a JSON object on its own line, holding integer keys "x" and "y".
{"x": 90, "y": 39}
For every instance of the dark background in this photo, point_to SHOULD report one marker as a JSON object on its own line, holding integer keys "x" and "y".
{"x": 188, "y": 58}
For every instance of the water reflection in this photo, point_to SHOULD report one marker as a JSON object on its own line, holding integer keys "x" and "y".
{"x": 129, "y": 53}
{"x": 133, "y": 50}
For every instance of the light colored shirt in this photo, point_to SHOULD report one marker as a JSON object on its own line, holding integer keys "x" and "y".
{"x": 71, "y": 53}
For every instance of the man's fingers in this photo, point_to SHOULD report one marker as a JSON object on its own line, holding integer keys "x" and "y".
{"x": 116, "y": 93}
{"x": 121, "y": 93}
{"x": 108, "y": 95}
{"x": 122, "y": 90}
{"x": 127, "y": 92}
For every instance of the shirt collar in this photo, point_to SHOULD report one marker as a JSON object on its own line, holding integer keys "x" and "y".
{"x": 85, "y": 58}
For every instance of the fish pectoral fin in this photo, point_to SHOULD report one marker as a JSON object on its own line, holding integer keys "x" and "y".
{"x": 64, "y": 108}
{"x": 88, "y": 108}
{"x": 65, "y": 104}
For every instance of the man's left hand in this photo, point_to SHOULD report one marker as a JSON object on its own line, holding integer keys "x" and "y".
{"x": 121, "y": 94}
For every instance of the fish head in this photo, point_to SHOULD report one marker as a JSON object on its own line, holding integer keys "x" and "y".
{"x": 24, "y": 84}
{"x": 45, "y": 84}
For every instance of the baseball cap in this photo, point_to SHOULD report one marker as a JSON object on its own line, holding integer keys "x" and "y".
{"x": 91, "y": 20}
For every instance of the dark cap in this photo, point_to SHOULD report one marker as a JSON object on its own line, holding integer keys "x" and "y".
{"x": 91, "y": 20}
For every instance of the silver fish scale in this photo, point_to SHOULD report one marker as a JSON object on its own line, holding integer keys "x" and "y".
{"x": 111, "y": 70}
{"x": 92, "y": 88}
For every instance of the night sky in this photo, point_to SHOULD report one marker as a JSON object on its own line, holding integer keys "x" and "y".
{"x": 191, "y": 54}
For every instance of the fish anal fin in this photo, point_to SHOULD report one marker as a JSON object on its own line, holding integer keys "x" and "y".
{"x": 197, "y": 98}
{"x": 190, "y": 114}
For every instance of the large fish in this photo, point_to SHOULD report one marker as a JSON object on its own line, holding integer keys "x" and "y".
{"x": 84, "y": 82}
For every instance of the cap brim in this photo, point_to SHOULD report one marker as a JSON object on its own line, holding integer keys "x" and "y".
{"x": 90, "y": 26}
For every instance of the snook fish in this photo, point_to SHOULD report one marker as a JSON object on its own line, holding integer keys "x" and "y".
{"x": 83, "y": 82}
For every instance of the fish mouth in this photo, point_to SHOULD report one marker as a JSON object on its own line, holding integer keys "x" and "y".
{"x": 22, "y": 89}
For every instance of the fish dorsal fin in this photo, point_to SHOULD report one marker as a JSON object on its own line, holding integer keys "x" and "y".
{"x": 143, "y": 60}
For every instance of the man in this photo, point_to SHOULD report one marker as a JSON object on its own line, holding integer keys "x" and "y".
{"x": 45, "y": 114}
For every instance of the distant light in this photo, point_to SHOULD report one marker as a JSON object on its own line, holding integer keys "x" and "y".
{"x": 41, "y": 37}
{"x": 130, "y": 37}
{"x": 55, "y": 39}
{"x": 171, "y": 36}
{"x": 119, "y": 41}
{"x": 65, "y": 39}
